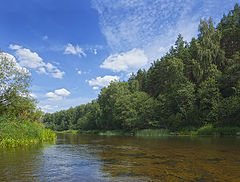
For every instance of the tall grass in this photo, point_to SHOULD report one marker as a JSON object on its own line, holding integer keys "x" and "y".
{"x": 152, "y": 132}
{"x": 15, "y": 132}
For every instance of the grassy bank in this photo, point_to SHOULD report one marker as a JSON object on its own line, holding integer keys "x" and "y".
{"x": 15, "y": 132}
{"x": 210, "y": 130}
{"x": 68, "y": 131}
{"x": 106, "y": 132}
{"x": 207, "y": 130}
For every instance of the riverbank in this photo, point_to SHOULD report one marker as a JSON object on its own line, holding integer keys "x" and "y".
{"x": 207, "y": 130}
{"x": 15, "y": 132}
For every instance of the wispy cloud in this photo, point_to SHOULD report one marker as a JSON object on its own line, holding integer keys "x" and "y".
{"x": 133, "y": 24}
{"x": 74, "y": 50}
{"x": 153, "y": 26}
{"x": 27, "y": 58}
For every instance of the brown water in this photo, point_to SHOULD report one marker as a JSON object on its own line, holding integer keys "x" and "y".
{"x": 98, "y": 158}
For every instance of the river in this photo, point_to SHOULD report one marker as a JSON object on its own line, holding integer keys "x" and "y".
{"x": 118, "y": 158}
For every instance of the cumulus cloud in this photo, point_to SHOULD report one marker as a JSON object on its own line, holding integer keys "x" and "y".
{"x": 128, "y": 61}
{"x": 70, "y": 49}
{"x": 102, "y": 81}
{"x": 58, "y": 94}
{"x": 53, "y": 96}
{"x": 62, "y": 92}
{"x": 29, "y": 59}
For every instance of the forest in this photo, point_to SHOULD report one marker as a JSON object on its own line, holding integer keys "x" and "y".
{"x": 195, "y": 84}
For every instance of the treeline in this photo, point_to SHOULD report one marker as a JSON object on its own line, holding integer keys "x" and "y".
{"x": 194, "y": 84}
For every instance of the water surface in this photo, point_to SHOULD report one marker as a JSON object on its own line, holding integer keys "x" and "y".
{"x": 102, "y": 158}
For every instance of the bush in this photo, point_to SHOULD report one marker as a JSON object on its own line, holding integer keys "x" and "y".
{"x": 18, "y": 132}
{"x": 206, "y": 130}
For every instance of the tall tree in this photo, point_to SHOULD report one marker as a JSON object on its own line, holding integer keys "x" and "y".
{"x": 230, "y": 30}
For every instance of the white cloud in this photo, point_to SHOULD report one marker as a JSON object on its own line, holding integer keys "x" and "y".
{"x": 70, "y": 49}
{"x": 128, "y": 61}
{"x": 42, "y": 70}
{"x": 27, "y": 58}
{"x": 95, "y": 88}
{"x": 54, "y": 71}
{"x": 62, "y": 92}
{"x": 79, "y": 72}
{"x": 103, "y": 81}
{"x": 30, "y": 59}
{"x": 53, "y": 96}
{"x": 58, "y": 94}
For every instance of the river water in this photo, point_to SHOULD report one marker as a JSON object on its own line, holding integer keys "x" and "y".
{"x": 101, "y": 158}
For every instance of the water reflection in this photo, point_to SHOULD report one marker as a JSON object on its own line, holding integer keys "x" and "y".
{"x": 99, "y": 158}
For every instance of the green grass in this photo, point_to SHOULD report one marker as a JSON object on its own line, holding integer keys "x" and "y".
{"x": 14, "y": 132}
{"x": 207, "y": 130}
{"x": 88, "y": 132}
{"x": 68, "y": 131}
{"x": 153, "y": 132}
{"x": 210, "y": 130}
{"x": 114, "y": 133}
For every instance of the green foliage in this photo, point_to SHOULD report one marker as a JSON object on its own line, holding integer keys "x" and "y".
{"x": 15, "y": 132}
{"x": 210, "y": 130}
{"x": 230, "y": 30}
{"x": 206, "y": 130}
{"x": 195, "y": 85}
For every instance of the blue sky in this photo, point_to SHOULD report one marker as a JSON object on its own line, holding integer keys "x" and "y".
{"x": 73, "y": 48}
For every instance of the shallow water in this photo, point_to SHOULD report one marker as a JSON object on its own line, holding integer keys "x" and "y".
{"x": 102, "y": 158}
